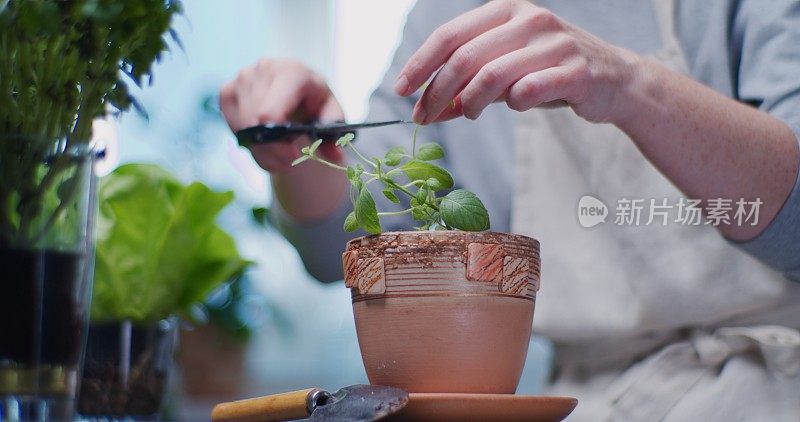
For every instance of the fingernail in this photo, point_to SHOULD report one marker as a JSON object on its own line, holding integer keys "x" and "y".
{"x": 401, "y": 86}
{"x": 419, "y": 116}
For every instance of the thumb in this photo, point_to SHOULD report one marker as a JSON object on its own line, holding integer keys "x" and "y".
{"x": 331, "y": 152}
{"x": 329, "y": 112}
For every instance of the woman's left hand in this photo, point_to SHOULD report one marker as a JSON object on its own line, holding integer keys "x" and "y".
{"x": 514, "y": 51}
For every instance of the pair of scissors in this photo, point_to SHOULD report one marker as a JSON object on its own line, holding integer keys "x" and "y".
{"x": 278, "y": 132}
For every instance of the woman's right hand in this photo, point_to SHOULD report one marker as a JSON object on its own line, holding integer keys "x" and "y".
{"x": 282, "y": 91}
{"x": 279, "y": 91}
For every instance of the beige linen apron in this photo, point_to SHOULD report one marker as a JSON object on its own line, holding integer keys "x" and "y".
{"x": 650, "y": 322}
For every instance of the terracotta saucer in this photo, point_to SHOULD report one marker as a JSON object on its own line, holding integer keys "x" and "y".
{"x": 484, "y": 407}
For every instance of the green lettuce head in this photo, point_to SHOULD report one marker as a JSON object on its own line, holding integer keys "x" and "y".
{"x": 159, "y": 250}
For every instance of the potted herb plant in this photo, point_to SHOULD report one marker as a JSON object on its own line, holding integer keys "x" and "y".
{"x": 159, "y": 253}
{"x": 447, "y": 308}
{"x": 62, "y": 64}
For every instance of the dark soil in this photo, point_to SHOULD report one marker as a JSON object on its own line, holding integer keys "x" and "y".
{"x": 104, "y": 391}
{"x": 41, "y": 313}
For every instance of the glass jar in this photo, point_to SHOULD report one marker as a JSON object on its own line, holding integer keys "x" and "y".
{"x": 46, "y": 257}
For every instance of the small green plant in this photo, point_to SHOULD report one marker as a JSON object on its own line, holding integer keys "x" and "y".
{"x": 412, "y": 175}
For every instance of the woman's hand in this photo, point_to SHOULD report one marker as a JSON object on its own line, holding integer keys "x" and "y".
{"x": 514, "y": 51}
{"x": 708, "y": 145}
{"x": 279, "y": 91}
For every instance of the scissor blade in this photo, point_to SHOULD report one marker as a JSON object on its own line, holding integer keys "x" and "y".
{"x": 277, "y": 132}
{"x": 346, "y": 127}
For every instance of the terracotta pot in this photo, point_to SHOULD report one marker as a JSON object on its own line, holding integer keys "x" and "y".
{"x": 212, "y": 363}
{"x": 443, "y": 312}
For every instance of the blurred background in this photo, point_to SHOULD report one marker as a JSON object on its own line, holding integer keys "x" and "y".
{"x": 276, "y": 329}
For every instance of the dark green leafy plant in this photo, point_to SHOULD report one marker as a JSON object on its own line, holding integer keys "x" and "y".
{"x": 410, "y": 174}
{"x": 63, "y": 64}
{"x": 159, "y": 250}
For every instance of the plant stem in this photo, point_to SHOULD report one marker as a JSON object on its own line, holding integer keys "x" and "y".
{"x": 404, "y": 190}
{"x": 72, "y": 190}
{"x": 414, "y": 142}
{"x": 414, "y": 183}
{"x": 328, "y": 163}
{"x": 350, "y": 144}
{"x": 391, "y": 213}
{"x": 408, "y": 192}
{"x": 338, "y": 167}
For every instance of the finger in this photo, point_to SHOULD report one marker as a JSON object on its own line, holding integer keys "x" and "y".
{"x": 445, "y": 40}
{"x": 465, "y": 62}
{"x": 331, "y": 111}
{"x": 316, "y": 103}
{"x": 253, "y": 92}
{"x": 543, "y": 87}
{"x": 494, "y": 79}
{"x": 452, "y": 111}
{"x": 288, "y": 91}
{"x": 331, "y": 152}
{"x": 275, "y": 156}
{"x": 283, "y": 97}
{"x": 244, "y": 96}
{"x": 229, "y": 106}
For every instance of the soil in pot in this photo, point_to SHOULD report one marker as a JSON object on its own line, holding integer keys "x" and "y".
{"x": 126, "y": 369}
{"x": 42, "y": 315}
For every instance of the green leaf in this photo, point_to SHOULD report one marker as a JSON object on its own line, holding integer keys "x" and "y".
{"x": 314, "y": 146}
{"x": 366, "y": 212}
{"x": 159, "y": 250}
{"x": 300, "y": 160}
{"x": 357, "y": 184}
{"x": 421, "y": 170}
{"x": 345, "y": 139}
{"x": 351, "y": 223}
{"x": 463, "y": 210}
{"x": 422, "y": 194}
{"x": 421, "y": 212}
{"x": 393, "y": 157}
{"x": 433, "y": 184}
{"x": 354, "y": 176}
{"x": 430, "y": 151}
{"x": 389, "y": 193}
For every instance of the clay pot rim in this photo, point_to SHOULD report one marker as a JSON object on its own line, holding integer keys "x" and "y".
{"x": 506, "y": 236}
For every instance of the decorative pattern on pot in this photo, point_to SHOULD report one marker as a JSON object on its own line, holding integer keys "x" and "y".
{"x": 416, "y": 263}
{"x": 350, "y": 266}
{"x": 371, "y": 277}
{"x": 515, "y": 275}
{"x": 485, "y": 262}
{"x": 533, "y": 277}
